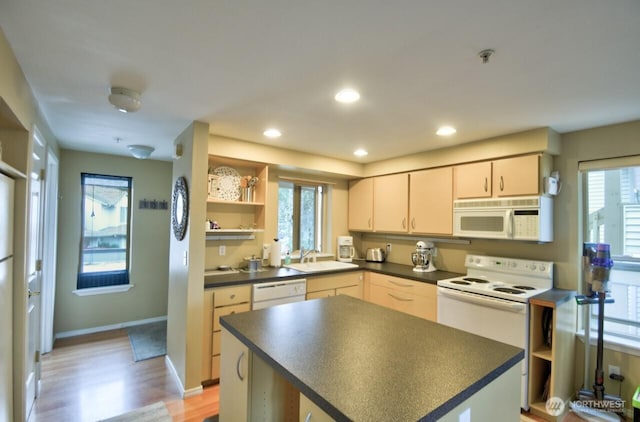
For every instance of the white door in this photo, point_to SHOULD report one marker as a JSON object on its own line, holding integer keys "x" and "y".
{"x": 34, "y": 270}
{"x": 50, "y": 230}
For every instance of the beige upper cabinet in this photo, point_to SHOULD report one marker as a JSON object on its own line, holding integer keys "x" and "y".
{"x": 391, "y": 203}
{"x": 431, "y": 201}
{"x": 516, "y": 176}
{"x": 361, "y": 205}
{"x": 473, "y": 180}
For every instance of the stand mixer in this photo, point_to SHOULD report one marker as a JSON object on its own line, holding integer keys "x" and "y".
{"x": 421, "y": 258}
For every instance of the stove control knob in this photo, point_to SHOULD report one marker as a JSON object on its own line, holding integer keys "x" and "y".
{"x": 543, "y": 268}
{"x": 533, "y": 267}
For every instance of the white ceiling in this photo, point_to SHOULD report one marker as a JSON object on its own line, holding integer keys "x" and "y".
{"x": 245, "y": 65}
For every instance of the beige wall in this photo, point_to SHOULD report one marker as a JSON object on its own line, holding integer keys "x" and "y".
{"x": 185, "y": 305}
{"x": 149, "y": 248}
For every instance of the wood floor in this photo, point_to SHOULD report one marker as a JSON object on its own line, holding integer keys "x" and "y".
{"x": 94, "y": 377}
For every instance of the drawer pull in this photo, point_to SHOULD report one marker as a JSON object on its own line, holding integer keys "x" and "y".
{"x": 486, "y": 184}
{"x": 308, "y": 418}
{"x": 399, "y": 284}
{"x": 233, "y": 296}
{"x": 403, "y": 299}
{"x": 501, "y": 183}
{"x": 238, "y": 366}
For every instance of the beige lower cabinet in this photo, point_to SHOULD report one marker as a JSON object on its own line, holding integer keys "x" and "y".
{"x": 219, "y": 302}
{"x": 404, "y": 295}
{"x": 310, "y": 412}
{"x": 235, "y": 378}
{"x": 250, "y": 389}
{"x": 350, "y": 284}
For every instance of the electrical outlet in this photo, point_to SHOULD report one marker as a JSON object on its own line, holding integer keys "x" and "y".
{"x": 614, "y": 370}
{"x": 388, "y": 247}
{"x": 222, "y": 250}
{"x": 266, "y": 248}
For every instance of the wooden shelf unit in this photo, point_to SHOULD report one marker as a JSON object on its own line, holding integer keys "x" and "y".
{"x": 551, "y": 363}
{"x": 234, "y": 215}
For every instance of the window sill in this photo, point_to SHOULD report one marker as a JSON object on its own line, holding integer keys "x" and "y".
{"x": 103, "y": 290}
{"x": 619, "y": 344}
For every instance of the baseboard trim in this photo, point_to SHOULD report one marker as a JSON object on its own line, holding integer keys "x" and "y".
{"x": 102, "y": 328}
{"x": 174, "y": 374}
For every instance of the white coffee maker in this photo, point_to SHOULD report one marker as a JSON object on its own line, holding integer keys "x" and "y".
{"x": 346, "y": 251}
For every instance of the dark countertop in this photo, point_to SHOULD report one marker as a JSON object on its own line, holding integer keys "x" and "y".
{"x": 272, "y": 274}
{"x": 360, "y": 361}
{"x": 553, "y": 298}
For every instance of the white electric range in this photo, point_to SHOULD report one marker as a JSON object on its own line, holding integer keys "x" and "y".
{"x": 492, "y": 300}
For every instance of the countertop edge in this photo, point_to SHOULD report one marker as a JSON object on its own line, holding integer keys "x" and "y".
{"x": 282, "y": 273}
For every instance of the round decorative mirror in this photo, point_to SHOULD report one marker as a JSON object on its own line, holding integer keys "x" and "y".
{"x": 180, "y": 208}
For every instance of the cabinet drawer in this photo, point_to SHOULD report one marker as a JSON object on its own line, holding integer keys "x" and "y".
{"x": 403, "y": 285}
{"x": 321, "y": 293}
{"x": 353, "y": 291}
{"x": 228, "y": 310}
{"x": 215, "y": 343}
{"x": 231, "y": 295}
{"x": 420, "y": 306}
{"x": 333, "y": 281}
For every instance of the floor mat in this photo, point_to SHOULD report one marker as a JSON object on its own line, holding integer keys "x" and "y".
{"x": 156, "y": 412}
{"x": 148, "y": 340}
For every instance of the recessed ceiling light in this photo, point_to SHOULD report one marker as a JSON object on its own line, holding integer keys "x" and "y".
{"x": 272, "y": 133}
{"x": 347, "y": 96}
{"x": 446, "y": 131}
{"x": 360, "y": 152}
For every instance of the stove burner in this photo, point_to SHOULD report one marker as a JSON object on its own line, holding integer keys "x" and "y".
{"x": 524, "y": 287}
{"x": 509, "y": 290}
{"x": 461, "y": 282}
{"x": 475, "y": 280}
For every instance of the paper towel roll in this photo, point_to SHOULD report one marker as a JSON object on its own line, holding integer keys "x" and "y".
{"x": 275, "y": 258}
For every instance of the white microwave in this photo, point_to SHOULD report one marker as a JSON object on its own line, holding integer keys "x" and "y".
{"x": 517, "y": 218}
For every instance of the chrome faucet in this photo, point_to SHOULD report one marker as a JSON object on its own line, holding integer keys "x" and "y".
{"x": 304, "y": 254}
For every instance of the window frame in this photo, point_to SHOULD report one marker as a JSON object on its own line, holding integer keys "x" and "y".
{"x": 322, "y": 218}
{"x": 109, "y": 279}
{"x": 613, "y": 340}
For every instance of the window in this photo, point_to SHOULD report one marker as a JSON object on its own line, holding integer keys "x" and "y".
{"x": 105, "y": 228}
{"x": 612, "y": 215}
{"x": 301, "y": 215}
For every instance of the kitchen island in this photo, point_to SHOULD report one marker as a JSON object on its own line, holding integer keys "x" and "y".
{"x": 354, "y": 360}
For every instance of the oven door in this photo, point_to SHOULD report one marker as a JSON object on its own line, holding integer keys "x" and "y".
{"x": 497, "y": 319}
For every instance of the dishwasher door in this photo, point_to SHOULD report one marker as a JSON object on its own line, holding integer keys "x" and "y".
{"x": 278, "y": 293}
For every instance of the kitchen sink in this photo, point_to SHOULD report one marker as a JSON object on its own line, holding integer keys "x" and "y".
{"x": 319, "y": 266}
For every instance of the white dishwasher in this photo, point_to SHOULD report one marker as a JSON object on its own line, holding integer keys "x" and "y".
{"x": 278, "y": 292}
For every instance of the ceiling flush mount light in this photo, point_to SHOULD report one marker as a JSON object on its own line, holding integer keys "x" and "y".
{"x": 347, "y": 96}
{"x": 360, "y": 152}
{"x": 141, "y": 152}
{"x": 125, "y": 100}
{"x": 272, "y": 133}
{"x": 446, "y": 131}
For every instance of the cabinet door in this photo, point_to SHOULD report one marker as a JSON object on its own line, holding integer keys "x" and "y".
{"x": 391, "y": 203}
{"x": 235, "y": 370}
{"x": 353, "y": 291}
{"x": 431, "y": 201}
{"x": 516, "y": 176}
{"x": 361, "y": 205}
{"x": 473, "y": 180}
{"x": 310, "y": 412}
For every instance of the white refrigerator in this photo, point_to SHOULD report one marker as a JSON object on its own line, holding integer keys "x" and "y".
{"x": 6, "y": 297}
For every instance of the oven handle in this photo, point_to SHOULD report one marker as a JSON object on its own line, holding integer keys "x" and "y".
{"x": 491, "y": 302}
